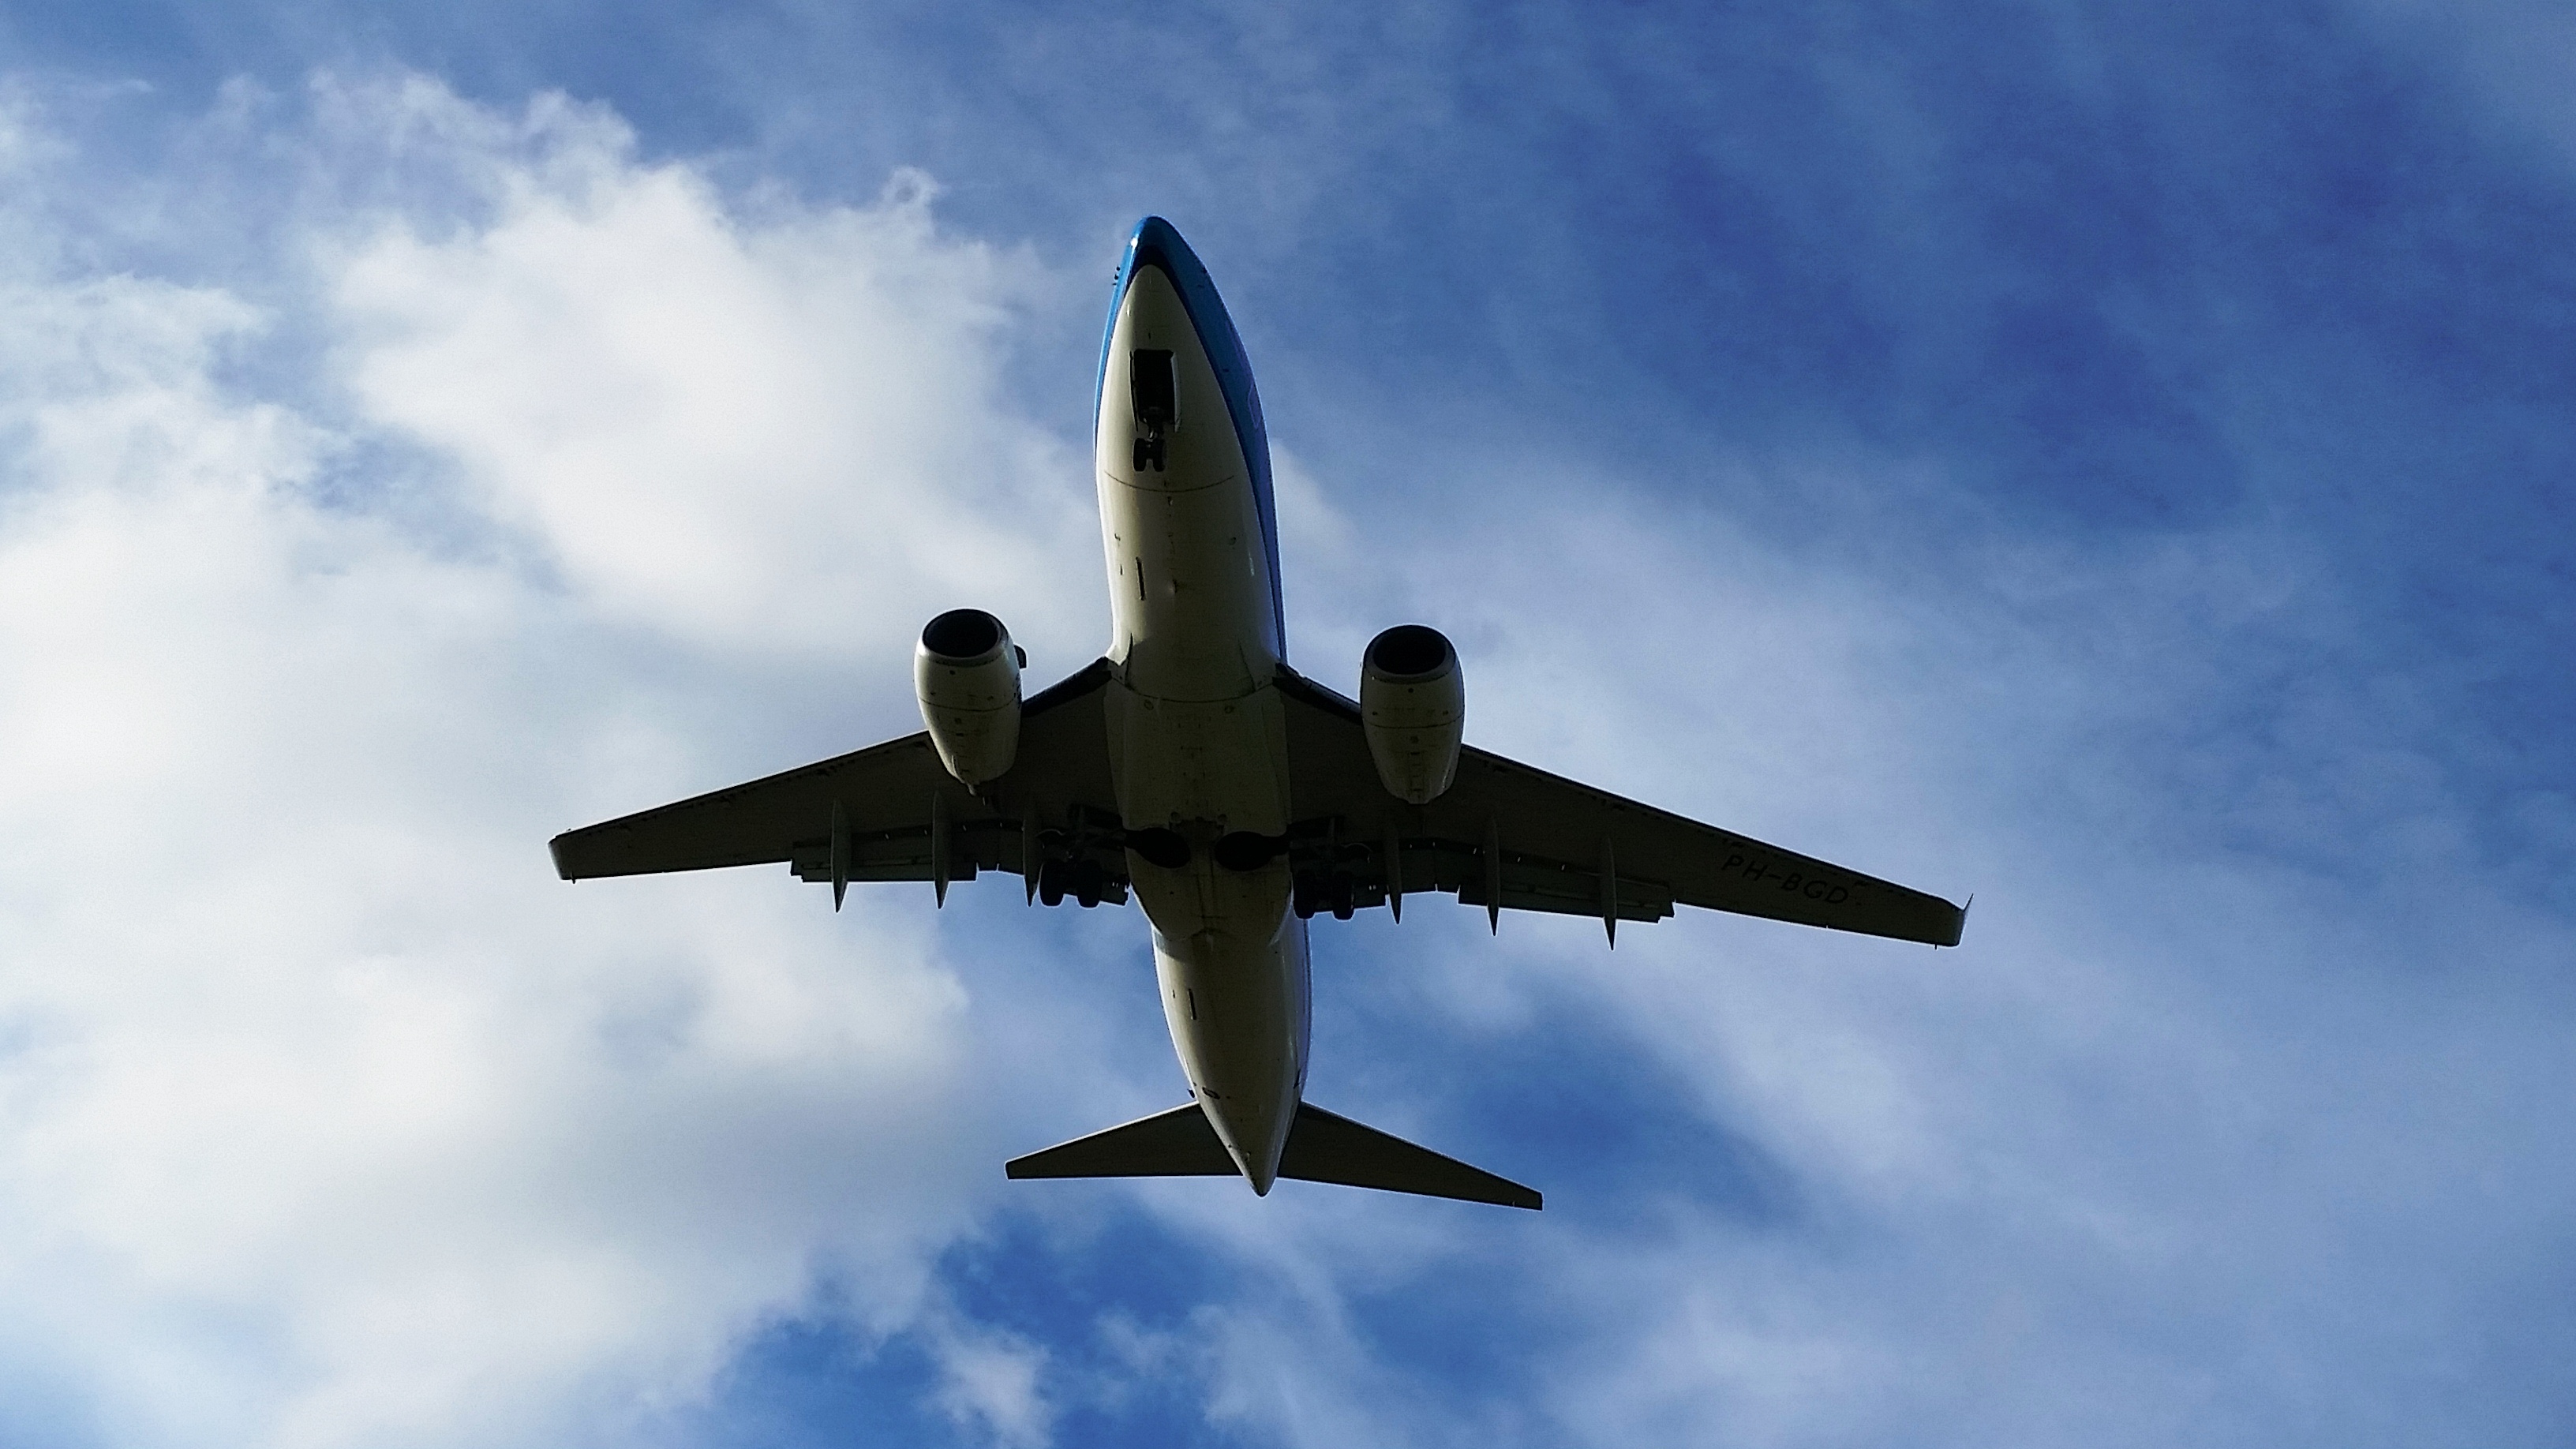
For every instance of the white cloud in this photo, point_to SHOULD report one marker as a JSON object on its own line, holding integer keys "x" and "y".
{"x": 989, "y": 1382}
{"x": 326, "y": 1115}
{"x": 771, "y": 435}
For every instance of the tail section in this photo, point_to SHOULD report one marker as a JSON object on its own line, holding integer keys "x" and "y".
{"x": 1177, "y": 1143}
{"x": 1321, "y": 1147}
{"x": 1326, "y": 1148}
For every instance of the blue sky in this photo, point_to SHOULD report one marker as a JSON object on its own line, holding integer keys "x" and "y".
{"x": 2112, "y": 460}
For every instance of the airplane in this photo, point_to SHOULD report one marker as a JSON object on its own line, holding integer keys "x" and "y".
{"x": 1232, "y": 796}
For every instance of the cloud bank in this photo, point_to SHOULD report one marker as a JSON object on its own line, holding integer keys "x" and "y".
{"x": 330, "y": 1118}
{"x": 401, "y": 479}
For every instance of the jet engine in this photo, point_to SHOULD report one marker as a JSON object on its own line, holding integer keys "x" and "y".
{"x": 1413, "y": 708}
{"x": 966, "y": 672}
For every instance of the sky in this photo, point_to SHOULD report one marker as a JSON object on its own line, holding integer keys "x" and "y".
{"x": 2111, "y": 460}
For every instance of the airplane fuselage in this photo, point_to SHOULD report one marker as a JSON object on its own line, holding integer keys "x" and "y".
{"x": 1197, "y": 739}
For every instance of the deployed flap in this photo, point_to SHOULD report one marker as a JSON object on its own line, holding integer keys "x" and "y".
{"x": 885, "y": 796}
{"x": 1325, "y": 1148}
{"x": 1508, "y": 836}
{"x": 1177, "y": 1143}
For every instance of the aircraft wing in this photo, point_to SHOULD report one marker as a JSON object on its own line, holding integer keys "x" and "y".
{"x": 1505, "y": 836}
{"x": 890, "y": 812}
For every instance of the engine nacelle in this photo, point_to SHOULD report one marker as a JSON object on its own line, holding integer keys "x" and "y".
{"x": 966, "y": 672}
{"x": 1413, "y": 708}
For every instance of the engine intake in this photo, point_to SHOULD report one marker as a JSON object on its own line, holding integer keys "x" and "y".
{"x": 1413, "y": 709}
{"x": 966, "y": 672}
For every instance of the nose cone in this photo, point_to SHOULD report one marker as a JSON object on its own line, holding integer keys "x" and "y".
{"x": 1156, "y": 246}
{"x": 1157, "y": 242}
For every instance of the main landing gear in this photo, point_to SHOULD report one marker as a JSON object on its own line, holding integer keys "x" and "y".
{"x": 1338, "y": 894}
{"x": 1325, "y": 877}
{"x": 1070, "y": 869}
{"x": 1083, "y": 880}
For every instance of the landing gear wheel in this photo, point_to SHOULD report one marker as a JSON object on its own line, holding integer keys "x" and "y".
{"x": 1051, "y": 882}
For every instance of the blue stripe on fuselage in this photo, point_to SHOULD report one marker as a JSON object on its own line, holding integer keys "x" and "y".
{"x": 1157, "y": 243}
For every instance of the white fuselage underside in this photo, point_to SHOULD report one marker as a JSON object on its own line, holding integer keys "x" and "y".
{"x": 1196, "y": 738}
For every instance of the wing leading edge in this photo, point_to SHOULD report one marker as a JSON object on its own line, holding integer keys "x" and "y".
{"x": 1505, "y": 836}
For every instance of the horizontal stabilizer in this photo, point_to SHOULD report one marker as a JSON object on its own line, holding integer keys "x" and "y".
{"x": 1177, "y": 1143}
{"x": 1326, "y": 1148}
{"x": 1321, "y": 1147}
